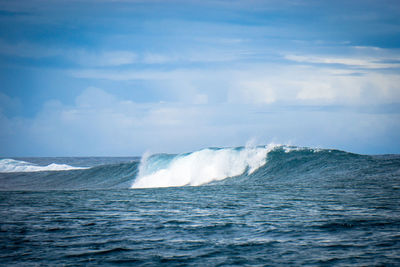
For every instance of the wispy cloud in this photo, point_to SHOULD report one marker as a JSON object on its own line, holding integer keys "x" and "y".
{"x": 102, "y": 59}
{"x": 364, "y": 63}
{"x": 130, "y": 75}
{"x": 110, "y": 58}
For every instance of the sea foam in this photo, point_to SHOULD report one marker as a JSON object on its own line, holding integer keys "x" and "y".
{"x": 12, "y": 165}
{"x": 200, "y": 167}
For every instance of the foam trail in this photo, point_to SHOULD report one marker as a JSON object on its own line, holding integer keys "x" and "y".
{"x": 12, "y": 165}
{"x": 200, "y": 167}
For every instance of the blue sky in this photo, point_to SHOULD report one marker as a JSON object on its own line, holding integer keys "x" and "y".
{"x": 121, "y": 77}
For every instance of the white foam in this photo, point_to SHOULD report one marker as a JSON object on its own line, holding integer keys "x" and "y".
{"x": 12, "y": 165}
{"x": 200, "y": 167}
{"x": 289, "y": 149}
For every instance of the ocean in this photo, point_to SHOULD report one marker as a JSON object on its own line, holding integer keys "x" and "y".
{"x": 245, "y": 206}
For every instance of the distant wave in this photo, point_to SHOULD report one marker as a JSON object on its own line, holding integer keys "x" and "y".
{"x": 12, "y": 165}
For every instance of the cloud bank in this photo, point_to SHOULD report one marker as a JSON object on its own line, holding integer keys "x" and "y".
{"x": 99, "y": 123}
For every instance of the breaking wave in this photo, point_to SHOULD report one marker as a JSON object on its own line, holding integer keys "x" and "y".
{"x": 200, "y": 167}
{"x": 12, "y": 165}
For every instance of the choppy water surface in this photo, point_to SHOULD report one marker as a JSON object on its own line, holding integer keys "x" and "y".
{"x": 302, "y": 207}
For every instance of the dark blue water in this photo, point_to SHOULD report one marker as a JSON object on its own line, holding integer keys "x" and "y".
{"x": 303, "y": 207}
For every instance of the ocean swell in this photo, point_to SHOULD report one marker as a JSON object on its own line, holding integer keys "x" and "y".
{"x": 250, "y": 166}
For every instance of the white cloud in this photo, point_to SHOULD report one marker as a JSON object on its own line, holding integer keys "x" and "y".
{"x": 264, "y": 84}
{"x": 364, "y": 62}
{"x": 253, "y": 91}
{"x": 373, "y": 48}
{"x": 315, "y": 90}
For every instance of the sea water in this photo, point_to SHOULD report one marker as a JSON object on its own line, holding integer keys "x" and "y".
{"x": 266, "y": 205}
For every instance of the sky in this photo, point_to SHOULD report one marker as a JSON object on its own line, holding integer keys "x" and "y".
{"x": 127, "y": 77}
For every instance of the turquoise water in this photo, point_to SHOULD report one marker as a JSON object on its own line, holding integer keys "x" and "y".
{"x": 300, "y": 207}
